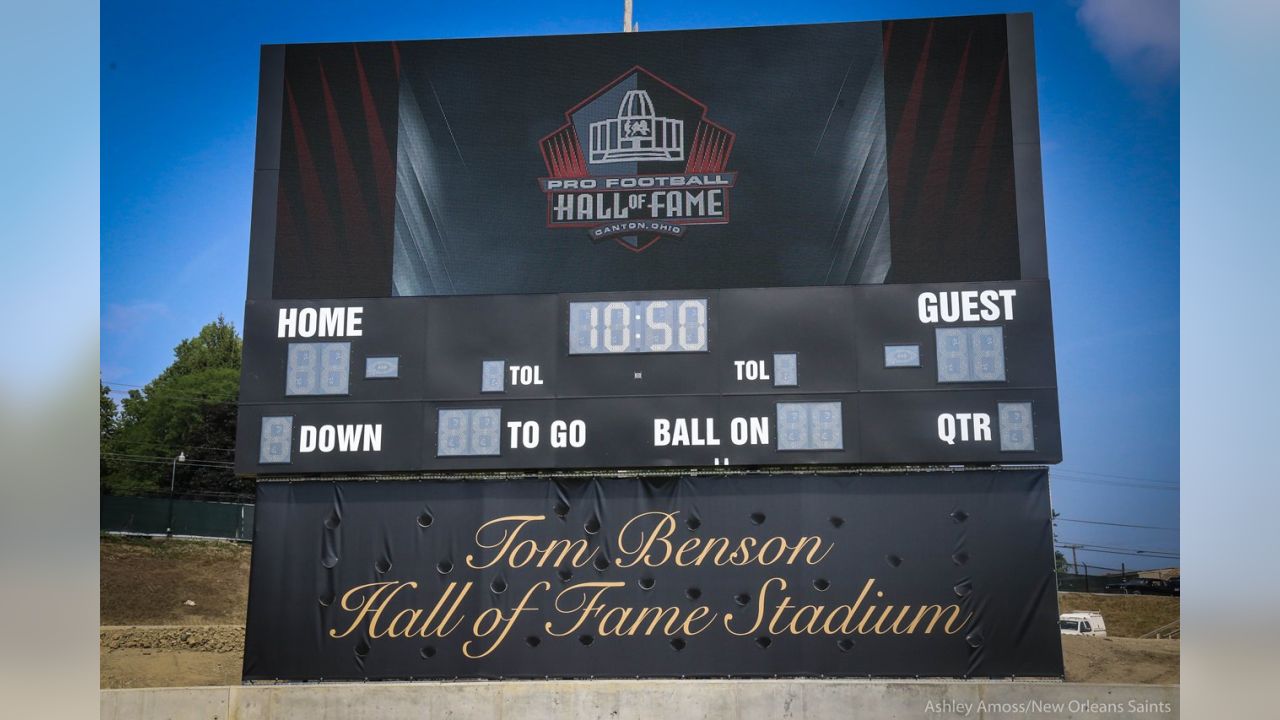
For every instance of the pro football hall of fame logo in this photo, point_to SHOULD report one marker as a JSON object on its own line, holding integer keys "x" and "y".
{"x": 636, "y": 162}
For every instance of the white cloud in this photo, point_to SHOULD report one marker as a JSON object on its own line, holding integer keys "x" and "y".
{"x": 1138, "y": 37}
{"x": 125, "y": 317}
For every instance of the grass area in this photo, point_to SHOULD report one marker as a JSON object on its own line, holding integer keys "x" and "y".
{"x": 1126, "y": 615}
{"x": 147, "y": 581}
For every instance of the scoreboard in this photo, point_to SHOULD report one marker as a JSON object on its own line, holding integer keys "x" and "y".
{"x": 904, "y": 374}
{"x": 653, "y": 282}
{"x": 607, "y": 252}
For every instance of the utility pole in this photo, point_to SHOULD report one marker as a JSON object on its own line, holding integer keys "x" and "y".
{"x": 627, "y": 25}
{"x": 173, "y": 476}
{"x": 1075, "y": 567}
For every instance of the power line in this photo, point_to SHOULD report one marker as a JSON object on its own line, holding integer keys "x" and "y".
{"x": 249, "y": 495}
{"x": 1113, "y": 524}
{"x": 1131, "y": 554}
{"x": 1116, "y": 547}
{"x": 1115, "y": 476}
{"x": 156, "y": 444}
{"x": 1106, "y": 550}
{"x": 166, "y": 458}
{"x": 109, "y": 383}
{"x": 125, "y": 458}
{"x": 1097, "y": 477}
{"x": 174, "y": 397}
{"x": 180, "y": 397}
{"x": 1112, "y": 483}
{"x": 164, "y": 392}
{"x": 159, "y": 460}
{"x": 1095, "y": 566}
{"x": 1152, "y": 556}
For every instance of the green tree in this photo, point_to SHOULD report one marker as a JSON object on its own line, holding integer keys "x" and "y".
{"x": 107, "y": 412}
{"x": 188, "y": 408}
{"x": 1059, "y": 560}
{"x": 108, "y": 424}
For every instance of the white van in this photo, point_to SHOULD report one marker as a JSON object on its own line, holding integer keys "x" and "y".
{"x": 1086, "y": 622}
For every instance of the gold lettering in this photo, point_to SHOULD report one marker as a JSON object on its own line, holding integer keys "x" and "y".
{"x": 530, "y": 546}
{"x": 742, "y": 555}
{"x": 505, "y": 541}
{"x": 717, "y": 545}
{"x": 817, "y": 545}
{"x": 506, "y": 622}
{"x": 955, "y": 613}
{"x": 411, "y": 614}
{"x": 782, "y": 547}
{"x": 862, "y": 624}
{"x": 567, "y": 545}
{"x": 445, "y": 628}
{"x": 884, "y": 615}
{"x": 363, "y": 605}
{"x": 425, "y": 629}
{"x": 777, "y": 614}
{"x": 382, "y": 605}
{"x": 695, "y": 615}
{"x": 901, "y": 614}
{"x": 815, "y": 611}
{"x": 657, "y": 613}
{"x": 687, "y": 546}
{"x": 836, "y": 629}
{"x": 847, "y": 626}
{"x": 618, "y": 615}
{"x": 643, "y": 550}
{"x": 760, "y": 608}
{"x": 938, "y": 610}
{"x": 590, "y": 605}
{"x": 653, "y": 546}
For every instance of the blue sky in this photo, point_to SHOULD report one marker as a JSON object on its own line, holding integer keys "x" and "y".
{"x": 179, "y": 93}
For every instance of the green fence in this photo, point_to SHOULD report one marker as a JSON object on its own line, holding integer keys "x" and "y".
{"x": 195, "y": 518}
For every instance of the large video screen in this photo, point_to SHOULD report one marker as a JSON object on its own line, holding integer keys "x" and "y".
{"x": 838, "y": 154}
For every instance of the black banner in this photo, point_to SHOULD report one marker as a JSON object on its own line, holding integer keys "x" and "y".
{"x": 888, "y": 575}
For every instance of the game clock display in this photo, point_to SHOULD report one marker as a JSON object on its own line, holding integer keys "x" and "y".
{"x": 604, "y": 327}
{"x": 852, "y": 375}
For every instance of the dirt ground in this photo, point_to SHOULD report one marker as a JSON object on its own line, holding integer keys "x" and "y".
{"x": 149, "y": 581}
{"x": 1121, "y": 660}
{"x": 151, "y": 637}
{"x": 138, "y": 668}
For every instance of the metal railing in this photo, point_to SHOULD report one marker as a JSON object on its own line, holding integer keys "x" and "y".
{"x": 1165, "y": 632}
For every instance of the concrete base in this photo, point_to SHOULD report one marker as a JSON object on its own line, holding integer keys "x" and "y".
{"x": 644, "y": 699}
